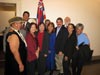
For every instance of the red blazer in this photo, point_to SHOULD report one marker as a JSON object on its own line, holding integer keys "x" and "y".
{"x": 31, "y": 47}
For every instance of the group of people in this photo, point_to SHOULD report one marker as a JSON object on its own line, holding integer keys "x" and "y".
{"x": 44, "y": 47}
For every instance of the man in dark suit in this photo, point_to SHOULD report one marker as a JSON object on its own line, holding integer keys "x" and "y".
{"x": 25, "y": 26}
{"x": 61, "y": 36}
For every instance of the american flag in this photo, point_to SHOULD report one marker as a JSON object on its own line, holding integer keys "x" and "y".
{"x": 40, "y": 12}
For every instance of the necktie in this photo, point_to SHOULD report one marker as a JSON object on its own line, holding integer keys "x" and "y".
{"x": 24, "y": 26}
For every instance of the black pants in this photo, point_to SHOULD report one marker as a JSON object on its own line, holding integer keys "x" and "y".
{"x": 31, "y": 67}
{"x": 41, "y": 65}
{"x": 77, "y": 64}
{"x": 66, "y": 67}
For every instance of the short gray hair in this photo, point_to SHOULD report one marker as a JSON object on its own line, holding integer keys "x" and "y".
{"x": 79, "y": 25}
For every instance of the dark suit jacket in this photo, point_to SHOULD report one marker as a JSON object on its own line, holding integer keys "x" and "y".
{"x": 61, "y": 39}
{"x": 70, "y": 46}
{"x": 85, "y": 53}
{"x": 27, "y": 26}
{"x": 45, "y": 44}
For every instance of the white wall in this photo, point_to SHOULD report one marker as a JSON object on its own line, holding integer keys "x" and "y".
{"x": 84, "y": 11}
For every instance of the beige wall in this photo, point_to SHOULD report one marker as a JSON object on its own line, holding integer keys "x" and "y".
{"x": 84, "y": 11}
{"x": 18, "y": 5}
{"x": 5, "y": 15}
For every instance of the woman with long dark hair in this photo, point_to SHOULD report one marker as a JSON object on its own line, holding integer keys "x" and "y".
{"x": 51, "y": 55}
{"x": 70, "y": 48}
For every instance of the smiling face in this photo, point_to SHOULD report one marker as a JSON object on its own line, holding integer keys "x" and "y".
{"x": 59, "y": 23}
{"x": 26, "y": 16}
{"x": 17, "y": 25}
{"x": 79, "y": 30}
{"x": 50, "y": 27}
{"x": 67, "y": 20}
{"x": 70, "y": 28}
{"x": 41, "y": 27}
{"x": 33, "y": 28}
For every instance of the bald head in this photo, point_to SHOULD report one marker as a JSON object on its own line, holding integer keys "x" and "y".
{"x": 67, "y": 20}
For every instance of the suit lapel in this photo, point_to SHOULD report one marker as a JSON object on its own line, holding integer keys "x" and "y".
{"x": 59, "y": 31}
